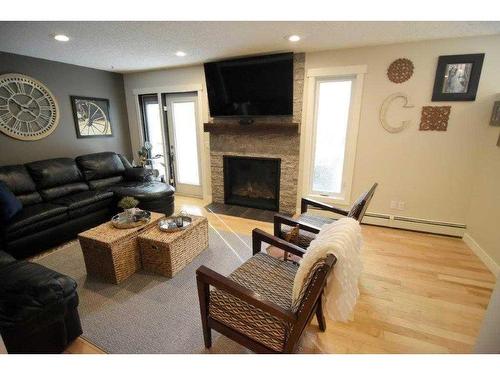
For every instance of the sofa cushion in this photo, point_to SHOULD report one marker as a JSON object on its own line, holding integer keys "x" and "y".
{"x": 54, "y": 172}
{"x": 9, "y": 204}
{"x": 143, "y": 191}
{"x": 104, "y": 205}
{"x": 63, "y": 190}
{"x": 19, "y": 181}
{"x": 17, "y": 232}
{"x": 85, "y": 198}
{"x": 104, "y": 183}
{"x": 100, "y": 165}
{"x": 34, "y": 213}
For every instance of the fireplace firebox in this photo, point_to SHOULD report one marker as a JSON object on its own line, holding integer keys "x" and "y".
{"x": 252, "y": 182}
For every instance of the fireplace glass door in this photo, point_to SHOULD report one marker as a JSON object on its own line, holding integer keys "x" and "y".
{"x": 252, "y": 182}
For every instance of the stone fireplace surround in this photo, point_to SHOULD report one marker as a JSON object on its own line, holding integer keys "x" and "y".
{"x": 263, "y": 142}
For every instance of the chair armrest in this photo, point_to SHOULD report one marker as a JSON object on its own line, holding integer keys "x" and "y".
{"x": 259, "y": 236}
{"x": 281, "y": 219}
{"x": 207, "y": 276}
{"x": 305, "y": 202}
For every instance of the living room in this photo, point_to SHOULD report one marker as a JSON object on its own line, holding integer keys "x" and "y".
{"x": 296, "y": 186}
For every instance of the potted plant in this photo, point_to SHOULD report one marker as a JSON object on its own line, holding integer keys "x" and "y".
{"x": 129, "y": 205}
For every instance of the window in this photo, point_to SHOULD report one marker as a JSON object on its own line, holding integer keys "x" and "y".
{"x": 333, "y": 101}
{"x": 331, "y": 128}
{"x": 153, "y": 132}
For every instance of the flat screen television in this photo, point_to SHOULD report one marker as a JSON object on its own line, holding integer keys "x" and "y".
{"x": 252, "y": 86}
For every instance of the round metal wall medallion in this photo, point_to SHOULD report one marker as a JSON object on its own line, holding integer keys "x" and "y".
{"x": 400, "y": 70}
{"x": 28, "y": 110}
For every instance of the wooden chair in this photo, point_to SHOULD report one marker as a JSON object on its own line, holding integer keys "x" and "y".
{"x": 310, "y": 225}
{"x": 253, "y": 305}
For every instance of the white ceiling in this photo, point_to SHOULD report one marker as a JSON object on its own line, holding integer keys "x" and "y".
{"x": 134, "y": 46}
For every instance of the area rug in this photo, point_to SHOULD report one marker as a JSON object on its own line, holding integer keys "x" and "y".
{"x": 149, "y": 313}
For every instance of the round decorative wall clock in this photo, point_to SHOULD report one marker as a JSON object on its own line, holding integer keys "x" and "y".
{"x": 28, "y": 110}
{"x": 400, "y": 70}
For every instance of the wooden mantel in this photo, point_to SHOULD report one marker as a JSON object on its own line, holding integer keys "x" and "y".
{"x": 257, "y": 127}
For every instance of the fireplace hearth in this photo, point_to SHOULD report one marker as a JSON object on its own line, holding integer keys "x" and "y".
{"x": 252, "y": 182}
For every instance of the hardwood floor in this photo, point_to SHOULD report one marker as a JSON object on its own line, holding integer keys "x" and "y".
{"x": 420, "y": 293}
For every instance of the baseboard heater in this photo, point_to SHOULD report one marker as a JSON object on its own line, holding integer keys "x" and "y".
{"x": 410, "y": 223}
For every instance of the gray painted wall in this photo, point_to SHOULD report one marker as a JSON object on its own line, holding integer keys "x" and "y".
{"x": 65, "y": 80}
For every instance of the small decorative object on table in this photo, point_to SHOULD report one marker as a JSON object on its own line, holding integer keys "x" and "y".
{"x": 123, "y": 221}
{"x": 175, "y": 223}
{"x": 129, "y": 205}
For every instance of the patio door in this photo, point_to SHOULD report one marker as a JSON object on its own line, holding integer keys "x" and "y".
{"x": 181, "y": 118}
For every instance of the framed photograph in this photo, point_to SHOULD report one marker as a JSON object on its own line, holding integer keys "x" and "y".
{"x": 91, "y": 117}
{"x": 457, "y": 77}
{"x": 495, "y": 115}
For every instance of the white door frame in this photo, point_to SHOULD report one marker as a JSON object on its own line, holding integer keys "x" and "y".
{"x": 173, "y": 89}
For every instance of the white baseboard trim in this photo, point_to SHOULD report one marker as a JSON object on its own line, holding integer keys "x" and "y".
{"x": 483, "y": 255}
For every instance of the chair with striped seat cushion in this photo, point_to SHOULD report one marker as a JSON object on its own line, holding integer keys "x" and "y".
{"x": 254, "y": 305}
{"x": 269, "y": 277}
{"x": 311, "y": 224}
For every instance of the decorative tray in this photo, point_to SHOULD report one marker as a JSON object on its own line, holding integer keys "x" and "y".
{"x": 174, "y": 223}
{"x": 123, "y": 221}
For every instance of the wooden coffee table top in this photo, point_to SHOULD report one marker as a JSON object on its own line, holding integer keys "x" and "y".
{"x": 107, "y": 233}
{"x": 156, "y": 234}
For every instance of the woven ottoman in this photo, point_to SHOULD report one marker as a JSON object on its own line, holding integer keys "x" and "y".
{"x": 167, "y": 253}
{"x": 113, "y": 254}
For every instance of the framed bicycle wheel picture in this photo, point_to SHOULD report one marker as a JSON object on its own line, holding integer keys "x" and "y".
{"x": 91, "y": 117}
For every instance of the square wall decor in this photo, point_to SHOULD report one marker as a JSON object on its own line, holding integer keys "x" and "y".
{"x": 91, "y": 117}
{"x": 457, "y": 77}
{"x": 435, "y": 117}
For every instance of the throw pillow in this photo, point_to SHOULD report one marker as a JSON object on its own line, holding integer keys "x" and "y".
{"x": 9, "y": 204}
{"x": 292, "y": 237}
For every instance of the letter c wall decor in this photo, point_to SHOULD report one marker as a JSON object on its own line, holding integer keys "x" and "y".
{"x": 385, "y": 107}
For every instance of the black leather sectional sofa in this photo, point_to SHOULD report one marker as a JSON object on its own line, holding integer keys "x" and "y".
{"x": 62, "y": 197}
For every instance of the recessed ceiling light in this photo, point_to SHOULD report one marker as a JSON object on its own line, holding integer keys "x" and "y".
{"x": 61, "y": 38}
{"x": 294, "y": 38}
{"x": 180, "y": 54}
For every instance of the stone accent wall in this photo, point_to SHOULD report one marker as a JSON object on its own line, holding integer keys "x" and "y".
{"x": 271, "y": 144}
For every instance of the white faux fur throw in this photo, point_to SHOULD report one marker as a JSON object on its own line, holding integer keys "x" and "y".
{"x": 341, "y": 238}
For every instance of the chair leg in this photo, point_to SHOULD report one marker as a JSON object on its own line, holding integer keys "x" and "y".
{"x": 319, "y": 315}
{"x": 203, "y": 295}
{"x": 207, "y": 336}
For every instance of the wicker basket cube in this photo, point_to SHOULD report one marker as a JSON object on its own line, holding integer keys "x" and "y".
{"x": 113, "y": 254}
{"x": 167, "y": 253}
